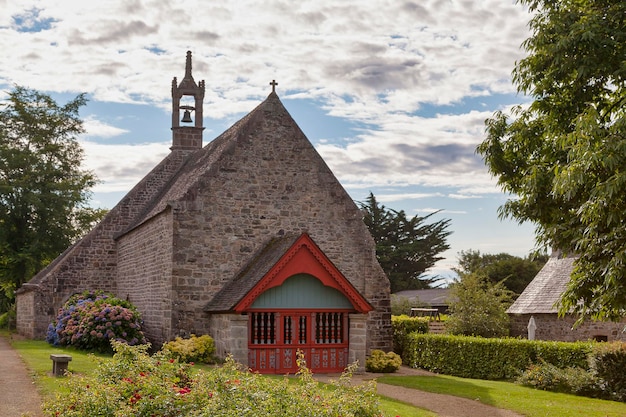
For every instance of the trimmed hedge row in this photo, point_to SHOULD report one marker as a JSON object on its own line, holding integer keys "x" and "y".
{"x": 403, "y": 326}
{"x": 493, "y": 358}
{"x": 608, "y": 362}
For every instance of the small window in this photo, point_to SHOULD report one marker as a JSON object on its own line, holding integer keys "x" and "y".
{"x": 600, "y": 338}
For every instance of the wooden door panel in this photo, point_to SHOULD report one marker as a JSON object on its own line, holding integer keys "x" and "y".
{"x": 276, "y": 337}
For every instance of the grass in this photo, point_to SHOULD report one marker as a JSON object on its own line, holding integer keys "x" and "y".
{"x": 397, "y": 408}
{"x": 527, "y": 401}
{"x": 36, "y": 354}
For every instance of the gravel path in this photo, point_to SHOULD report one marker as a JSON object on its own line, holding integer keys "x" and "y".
{"x": 18, "y": 394}
{"x": 443, "y": 405}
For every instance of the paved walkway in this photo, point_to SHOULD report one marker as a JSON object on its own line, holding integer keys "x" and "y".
{"x": 18, "y": 394}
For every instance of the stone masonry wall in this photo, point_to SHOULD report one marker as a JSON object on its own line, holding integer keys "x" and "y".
{"x": 144, "y": 275}
{"x": 550, "y": 327}
{"x": 25, "y": 307}
{"x": 230, "y": 333}
{"x": 270, "y": 183}
{"x": 358, "y": 341}
{"x": 91, "y": 264}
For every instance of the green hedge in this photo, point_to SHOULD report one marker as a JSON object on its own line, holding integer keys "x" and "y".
{"x": 403, "y": 326}
{"x": 608, "y": 362}
{"x": 492, "y": 358}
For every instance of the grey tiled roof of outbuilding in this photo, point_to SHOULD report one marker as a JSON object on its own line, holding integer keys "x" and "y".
{"x": 544, "y": 291}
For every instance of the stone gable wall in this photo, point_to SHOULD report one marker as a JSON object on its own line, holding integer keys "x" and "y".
{"x": 550, "y": 327}
{"x": 273, "y": 184}
{"x": 91, "y": 264}
{"x": 144, "y": 275}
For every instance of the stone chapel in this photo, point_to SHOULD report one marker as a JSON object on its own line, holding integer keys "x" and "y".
{"x": 250, "y": 239}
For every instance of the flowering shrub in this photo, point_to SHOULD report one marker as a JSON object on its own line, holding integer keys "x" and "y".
{"x": 91, "y": 320}
{"x": 380, "y": 361}
{"x": 194, "y": 349}
{"x": 136, "y": 384}
{"x": 572, "y": 380}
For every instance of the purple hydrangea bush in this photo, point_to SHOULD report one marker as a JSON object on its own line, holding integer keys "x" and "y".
{"x": 91, "y": 320}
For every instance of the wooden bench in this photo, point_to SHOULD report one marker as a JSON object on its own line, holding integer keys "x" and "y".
{"x": 431, "y": 313}
{"x": 59, "y": 364}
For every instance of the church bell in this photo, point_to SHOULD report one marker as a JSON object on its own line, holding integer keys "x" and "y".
{"x": 186, "y": 117}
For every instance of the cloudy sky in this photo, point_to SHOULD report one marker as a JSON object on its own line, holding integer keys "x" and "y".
{"x": 393, "y": 94}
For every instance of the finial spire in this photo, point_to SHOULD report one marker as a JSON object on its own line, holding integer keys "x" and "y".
{"x": 188, "y": 65}
{"x": 273, "y": 84}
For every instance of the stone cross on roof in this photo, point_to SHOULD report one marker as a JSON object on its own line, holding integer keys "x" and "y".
{"x": 273, "y": 84}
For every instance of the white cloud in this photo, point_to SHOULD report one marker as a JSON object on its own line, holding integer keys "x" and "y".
{"x": 428, "y": 52}
{"x": 376, "y": 63}
{"x": 120, "y": 167}
{"x": 97, "y": 128}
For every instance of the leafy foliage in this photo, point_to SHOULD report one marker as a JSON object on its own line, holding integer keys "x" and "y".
{"x": 563, "y": 156}
{"x": 402, "y": 327}
{"x": 381, "y": 362}
{"x": 608, "y": 362}
{"x": 405, "y": 248}
{"x": 570, "y": 380}
{"x": 514, "y": 272}
{"x": 602, "y": 378}
{"x": 489, "y": 358}
{"x": 193, "y": 349}
{"x": 91, "y": 321}
{"x": 135, "y": 384}
{"x": 478, "y": 307}
{"x": 43, "y": 191}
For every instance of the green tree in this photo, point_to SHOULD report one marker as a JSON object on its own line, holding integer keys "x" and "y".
{"x": 564, "y": 155}
{"x": 514, "y": 272}
{"x": 405, "y": 248}
{"x": 43, "y": 191}
{"x": 478, "y": 307}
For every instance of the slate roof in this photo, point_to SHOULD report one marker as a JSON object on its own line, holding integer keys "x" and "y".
{"x": 205, "y": 162}
{"x": 543, "y": 292}
{"x": 251, "y": 274}
{"x": 434, "y": 297}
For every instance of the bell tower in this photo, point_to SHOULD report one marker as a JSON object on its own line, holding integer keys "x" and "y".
{"x": 187, "y": 96}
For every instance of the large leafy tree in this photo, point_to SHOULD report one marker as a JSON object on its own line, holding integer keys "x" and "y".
{"x": 564, "y": 155}
{"x": 514, "y": 272}
{"x": 43, "y": 190}
{"x": 405, "y": 247}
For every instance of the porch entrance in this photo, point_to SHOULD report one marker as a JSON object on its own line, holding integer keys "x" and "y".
{"x": 276, "y": 337}
{"x": 302, "y": 315}
{"x": 299, "y": 302}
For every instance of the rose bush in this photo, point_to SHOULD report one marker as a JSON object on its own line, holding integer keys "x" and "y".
{"x": 133, "y": 383}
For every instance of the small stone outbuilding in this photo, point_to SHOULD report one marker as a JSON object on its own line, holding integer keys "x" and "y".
{"x": 250, "y": 239}
{"x": 539, "y": 300}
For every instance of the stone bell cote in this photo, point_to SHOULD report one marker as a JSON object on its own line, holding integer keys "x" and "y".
{"x": 187, "y": 96}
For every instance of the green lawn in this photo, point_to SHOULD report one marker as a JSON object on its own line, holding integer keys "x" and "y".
{"x": 526, "y": 401}
{"x": 36, "y": 354}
